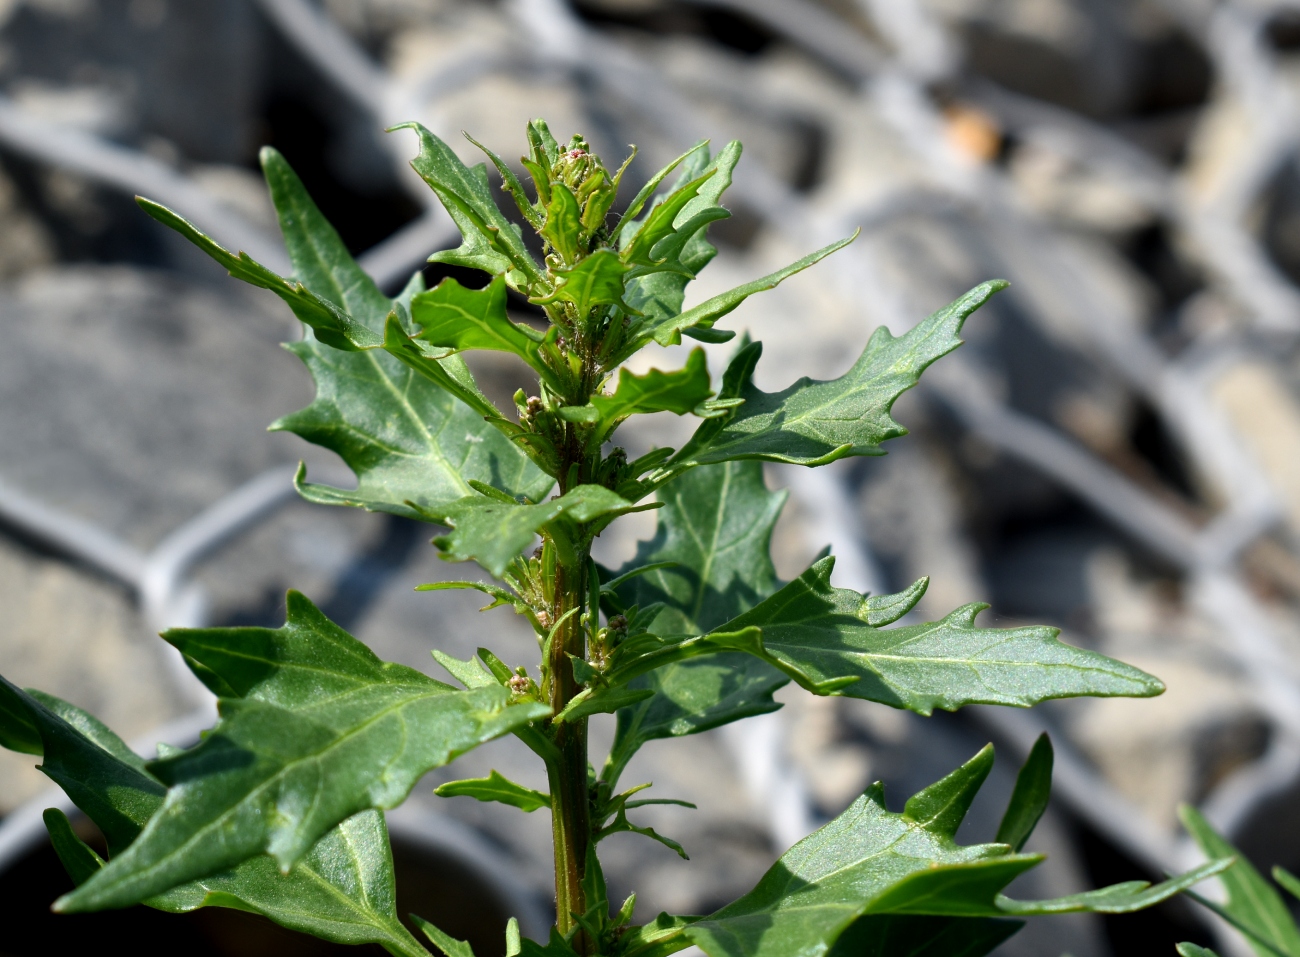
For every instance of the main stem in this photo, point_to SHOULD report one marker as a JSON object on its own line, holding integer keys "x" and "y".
{"x": 570, "y": 800}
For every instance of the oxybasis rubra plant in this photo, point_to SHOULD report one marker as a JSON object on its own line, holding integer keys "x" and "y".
{"x": 279, "y": 809}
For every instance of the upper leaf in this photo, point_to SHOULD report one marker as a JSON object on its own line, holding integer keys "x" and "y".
{"x": 682, "y": 391}
{"x": 490, "y": 242}
{"x": 324, "y": 730}
{"x": 812, "y": 422}
{"x": 658, "y": 296}
{"x": 412, "y": 445}
{"x": 669, "y": 331}
{"x": 392, "y": 418}
{"x": 458, "y": 318}
{"x": 595, "y": 281}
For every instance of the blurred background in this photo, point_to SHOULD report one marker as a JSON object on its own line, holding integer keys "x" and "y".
{"x": 1115, "y": 451}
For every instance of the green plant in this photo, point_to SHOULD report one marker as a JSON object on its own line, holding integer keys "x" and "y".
{"x": 279, "y": 809}
{"x": 1252, "y": 905}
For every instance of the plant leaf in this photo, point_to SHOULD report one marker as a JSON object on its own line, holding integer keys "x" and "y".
{"x": 679, "y": 392}
{"x": 871, "y": 861}
{"x": 659, "y": 295}
{"x": 494, "y": 787}
{"x": 669, "y": 331}
{"x": 713, "y": 544}
{"x": 1253, "y": 904}
{"x": 493, "y": 533}
{"x": 78, "y": 859}
{"x": 342, "y": 890}
{"x": 594, "y": 281}
{"x": 814, "y": 422}
{"x": 1186, "y": 949}
{"x": 817, "y": 634}
{"x": 563, "y": 222}
{"x": 1029, "y": 798}
{"x": 861, "y": 863}
{"x": 472, "y": 673}
{"x": 661, "y": 221}
{"x": 457, "y": 318}
{"x": 324, "y": 730}
{"x": 430, "y": 444}
{"x": 1122, "y": 898}
{"x": 321, "y": 262}
{"x": 490, "y": 242}
{"x": 645, "y": 192}
{"x": 448, "y": 945}
{"x": 1288, "y": 880}
{"x": 111, "y": 788}
{"x": 327, "y": 319}
{"x": 890, "y": 935}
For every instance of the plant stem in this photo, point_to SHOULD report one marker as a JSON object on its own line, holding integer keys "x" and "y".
{"x": 570, "y": 802}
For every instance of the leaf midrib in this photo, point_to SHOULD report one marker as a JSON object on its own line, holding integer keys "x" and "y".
{"x": 274, "y": 778}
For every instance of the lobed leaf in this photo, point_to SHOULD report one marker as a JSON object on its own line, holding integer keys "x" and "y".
{"x": 424, "y": 444}
{"x": 680, "y": 392}
{"x": 871, "y": 861}
{"x": 819, "y": 635}
{"x": 658, "y": 295}
{"x": 324, "y": 730}
{"x": 493, "y": 533}
{"x": 497, "y": 788}
{"x": 454, "y": 317}
{"x": 596, "y": 280}
{"x": 490, "y": 242}
{"x": 342, "y": 890}
{"x": 710, "y": 561}
{"x": 814, "y": 422}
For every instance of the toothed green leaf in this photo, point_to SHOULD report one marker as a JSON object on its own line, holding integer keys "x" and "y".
{"x": 451, "y": 316}
{"x": 324, "y": 730}
{"x": 493, "y": 533}
{"x": 680, "y": 392}
{"x": 497, "y": 788}
{"x": 713, "y": 537}
{"x": 342, "y": 890}
{"x": 871, "y": 861}
{"x": 658, "y": 296}
{"x": 818, "y": 634}
{"x": 812, "y": 422}
{"x": 595, "y": 281}
{"x": 490, "y": 242}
